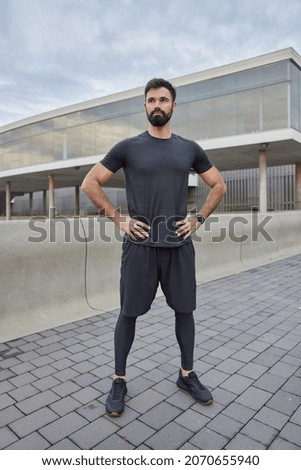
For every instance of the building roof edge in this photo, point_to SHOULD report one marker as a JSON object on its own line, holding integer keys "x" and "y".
{"x": 288, "y": 53}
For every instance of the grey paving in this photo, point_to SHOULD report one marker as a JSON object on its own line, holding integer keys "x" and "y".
{"x": 53, "y": 384}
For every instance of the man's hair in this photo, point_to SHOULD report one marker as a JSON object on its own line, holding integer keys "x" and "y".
{"x": 158, "y": 83}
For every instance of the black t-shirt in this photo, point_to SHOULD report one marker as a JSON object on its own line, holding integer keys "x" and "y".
{"x": 156, "y": 175}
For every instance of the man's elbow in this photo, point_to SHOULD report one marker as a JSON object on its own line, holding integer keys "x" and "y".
{"x": 224, "y": 188}
{"x": 84, "y": 186}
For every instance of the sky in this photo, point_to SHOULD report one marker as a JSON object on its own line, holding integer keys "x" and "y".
{"x": 54, "y": 53}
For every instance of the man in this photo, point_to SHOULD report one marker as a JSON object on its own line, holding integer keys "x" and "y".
{"x": 157, "y": 247}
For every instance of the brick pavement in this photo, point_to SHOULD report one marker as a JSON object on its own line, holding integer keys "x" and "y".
{"x": 53, "y": 384}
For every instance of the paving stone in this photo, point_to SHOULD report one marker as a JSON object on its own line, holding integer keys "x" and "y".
{"x": 181, "y": 400}
{"x": 170, "y": 437}
{"x": 230, "y": 366}
{"x": 6, "y": 374}
{"x": 65, "y": 375}
{"x": 44, "y": 371}
{"x": 284, "y": 402}
{"x": 271, "y": 417}
{"x": 46, "y": 383}
{"x": 252, "y": 370}
{"x": 65, "y": 444}
{"x": 270, "y": 382}
{"x": 223, "y": 397}
{"x": 250, "y": 329}
{"x": 6, "y": 386}
{"x": 85, "y": 379}
{"x": 291, "y": 433}
{"x": 283, "y": 370}
{"x": 21, "y": 393}
{"x": 239, "y": 412}
{"x": 9, "y": 415}
{"x": 237, "y": 384}
{"x": 192, "y": 420}
{"x": 160, "y": 415}
{"x": 293, "y": 385}
{"x": 245, "y": 355}
{"x": 7, "y": 437}
{"x": 5, "y": 401}
{"x": 254, "y": 398}
{"x": 65, "y": 406}
{"x": 260, "y": 432}
{"x": 282, "y": 444}
{"x": 37, "y": 401}
{"x": 225, "y": 426}
{"x": 206, "y": 439}
{"x": 167, "y": 387}
{"x": 242, "y": 442}
{"x": 296, "y": 418}
{"x": 23, "y": 379}
{"x": 213, "y": 378}
{"x": 223, "y": 352}
{"x": 91, "y": 435}
{"x": 63, "y": 427}
{"x": 136, "y": 432}
{"x": 66, "y": 388}
{"x": 114, "y": 442}
{"x": 145, "y": 401}
{"x": 32, "y": 442}
{"x": 138, "y": 385}
{"x": 86, "y": 395}
{"x": 33, "y": 422}
{"x": 41, "y": 361}
{"x": 93, "y": 410}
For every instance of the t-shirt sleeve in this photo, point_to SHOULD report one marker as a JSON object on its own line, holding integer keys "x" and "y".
{"x": 115, "y": 158}
{"x": 201, "y": 160}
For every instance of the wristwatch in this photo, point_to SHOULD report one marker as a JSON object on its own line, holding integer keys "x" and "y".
{"x": 201, "y": 218}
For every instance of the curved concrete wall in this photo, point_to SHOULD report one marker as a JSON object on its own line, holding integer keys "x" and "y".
{"x": 55, "y": 272}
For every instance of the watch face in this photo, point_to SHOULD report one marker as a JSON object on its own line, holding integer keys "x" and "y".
{"x": 201, "y": 218}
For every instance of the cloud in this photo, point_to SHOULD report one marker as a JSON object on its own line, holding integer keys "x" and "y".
{"x": 58, "y": 52}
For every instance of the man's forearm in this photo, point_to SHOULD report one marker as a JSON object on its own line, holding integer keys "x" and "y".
{"x": 213, "y": 199}
{"x": 99, "y": 198}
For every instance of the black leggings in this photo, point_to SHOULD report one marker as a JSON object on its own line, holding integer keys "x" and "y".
{"x": 125, "y": 333}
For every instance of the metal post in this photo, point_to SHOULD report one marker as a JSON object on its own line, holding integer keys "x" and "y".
{"x": 298, "y": 187}
{"x": 77, "y": 200}
{"x": 263, "y": 206}
{"x": 44, "y": 202}
{"x": 8, "y": 200}
{"x": 30, "y": 203}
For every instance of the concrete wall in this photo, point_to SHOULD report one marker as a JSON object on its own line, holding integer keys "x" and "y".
{"x": 55, "y": 272}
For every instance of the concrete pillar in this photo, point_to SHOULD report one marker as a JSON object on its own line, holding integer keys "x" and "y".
{"x": 30, "y": 203}
{"x": 44, "y": 202}
{"x": 51, "y": 197}
{"x": 8, "y": 200}
{"x": 77, "y": 200}
{"x": 263, "y": 194}
{"x": 298, "y": 187}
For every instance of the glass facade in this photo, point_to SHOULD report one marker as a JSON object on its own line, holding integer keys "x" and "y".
{"x": 255, "y": 100}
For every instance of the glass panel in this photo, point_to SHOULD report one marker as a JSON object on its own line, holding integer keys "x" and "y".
{"x": 275, "y": 107}
{"x": 295, "y": 97}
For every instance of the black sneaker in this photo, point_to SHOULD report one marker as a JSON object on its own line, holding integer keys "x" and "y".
{"x": 192, "y": 385}
{"x": 115, "y": 400}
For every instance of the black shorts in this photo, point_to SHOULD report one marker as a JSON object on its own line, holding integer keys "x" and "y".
{"x": 144, "y": 267}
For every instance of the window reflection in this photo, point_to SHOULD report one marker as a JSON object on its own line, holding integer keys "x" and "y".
{"x": 249, "y": 101}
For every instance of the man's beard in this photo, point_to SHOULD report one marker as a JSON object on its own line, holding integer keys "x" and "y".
{"x": 159, "y": 120}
